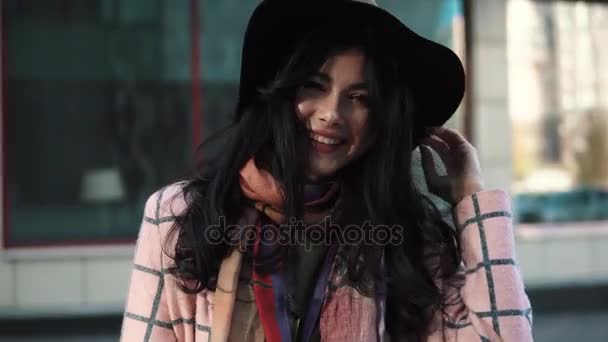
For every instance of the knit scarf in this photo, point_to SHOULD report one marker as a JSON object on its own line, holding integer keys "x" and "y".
{"x": 259, "y": 186}
{"x": 343, "y": 315}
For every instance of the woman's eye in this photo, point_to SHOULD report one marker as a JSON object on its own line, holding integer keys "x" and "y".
{"x": 361, "y": 98}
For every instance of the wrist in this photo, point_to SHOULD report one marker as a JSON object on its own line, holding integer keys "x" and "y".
{"x": 468, "y": 189}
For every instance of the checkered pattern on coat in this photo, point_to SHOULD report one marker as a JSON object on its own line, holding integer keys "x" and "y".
{"x": 493, "y": 306}
{"x": 156, "y": 309}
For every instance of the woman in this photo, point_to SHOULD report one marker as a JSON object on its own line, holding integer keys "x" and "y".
{"x": 334, "y": 97}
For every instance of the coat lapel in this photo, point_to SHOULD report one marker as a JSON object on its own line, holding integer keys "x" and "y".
{"x": 227, "y": 283}
{"x": 225, "y": 295}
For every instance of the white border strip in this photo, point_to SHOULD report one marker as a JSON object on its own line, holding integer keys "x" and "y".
{"x": 77, "y": 252}
{"x": 61, "y": 311}
{"x": 562, "y": 231}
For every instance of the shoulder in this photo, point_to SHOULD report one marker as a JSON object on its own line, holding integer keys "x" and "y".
{"x": 158, "y": 229}
{"x": 165, "y": 203}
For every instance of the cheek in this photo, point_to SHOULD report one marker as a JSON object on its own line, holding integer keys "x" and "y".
{"x": 304, "y": 109}
{"x": 360, "y": 130}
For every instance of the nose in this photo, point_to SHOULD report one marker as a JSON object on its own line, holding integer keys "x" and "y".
{"x": 329, "y": 111}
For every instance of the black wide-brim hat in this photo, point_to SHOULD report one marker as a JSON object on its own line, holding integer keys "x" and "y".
{"x": 432, "y": 71}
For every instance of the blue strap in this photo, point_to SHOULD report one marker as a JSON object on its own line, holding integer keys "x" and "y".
{"x": 314, "y": 309}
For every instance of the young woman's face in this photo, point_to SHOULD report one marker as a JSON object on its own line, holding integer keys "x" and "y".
{"x": 333, "y": 105}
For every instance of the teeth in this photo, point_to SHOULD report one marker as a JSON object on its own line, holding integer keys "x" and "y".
{"x": 325, "y": 140}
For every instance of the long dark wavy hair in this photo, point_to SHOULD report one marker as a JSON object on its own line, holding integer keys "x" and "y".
{"x": 377, "y": 187}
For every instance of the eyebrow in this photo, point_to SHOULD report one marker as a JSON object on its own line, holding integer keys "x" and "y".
{"x": 326, "y": 78}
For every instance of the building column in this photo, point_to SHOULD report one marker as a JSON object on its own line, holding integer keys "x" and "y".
{"x": 489, "y": 91}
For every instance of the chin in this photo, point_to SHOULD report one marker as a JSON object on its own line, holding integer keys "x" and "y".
{"x": 321, "y": 174}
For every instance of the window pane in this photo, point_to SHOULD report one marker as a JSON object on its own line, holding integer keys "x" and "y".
{"x": 100, "y": 98}
{"x": 224, "y": 23}
{"x": 558, "y": 70}
{"x": 98, "y": 114}
{"x": 438, "y": 20}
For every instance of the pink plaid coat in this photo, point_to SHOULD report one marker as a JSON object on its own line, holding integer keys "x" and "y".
{"x": 494, "y": 305}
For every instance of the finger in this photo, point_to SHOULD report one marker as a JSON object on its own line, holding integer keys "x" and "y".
{"x": 434, "y": 182}
{"x": 444, "y": 153}
{"x": 428, "y": 163}
{"x": 438, "y": 145}
{"x": 450, "y": 136}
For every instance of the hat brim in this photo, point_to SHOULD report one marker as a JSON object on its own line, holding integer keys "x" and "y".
{"x": 433, "y": 72}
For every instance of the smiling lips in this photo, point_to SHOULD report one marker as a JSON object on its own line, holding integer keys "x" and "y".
{"x": 325, "y": 144}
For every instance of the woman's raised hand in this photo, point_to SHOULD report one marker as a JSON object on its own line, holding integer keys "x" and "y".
{"x": 460, "y": 159}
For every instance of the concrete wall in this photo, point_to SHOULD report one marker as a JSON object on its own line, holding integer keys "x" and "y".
{"x": 57, "y": 282}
